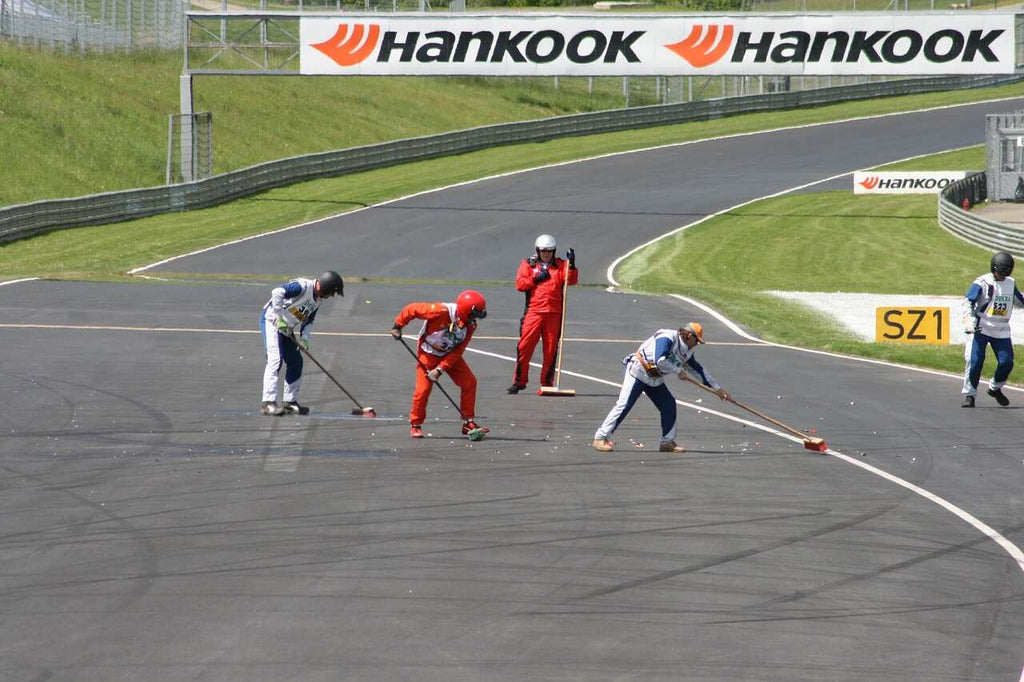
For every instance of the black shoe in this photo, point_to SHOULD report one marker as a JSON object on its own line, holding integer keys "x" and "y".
{"x": 292, "y": 407}
{"x": 270, "y": 408}
{"x": 997, "y": 393}
{"x": 968, "y": 401}
{"x": 515, "y": 388}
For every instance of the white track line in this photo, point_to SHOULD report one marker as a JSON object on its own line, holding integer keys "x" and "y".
{"x": 1013, "y": 550}
{"x": 566, "y": 163}
{"x": 18, "y": 281}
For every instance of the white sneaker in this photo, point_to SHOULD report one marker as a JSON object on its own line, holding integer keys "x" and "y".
{"x": 271, "y": 409}
{"x": 603, "y": 445}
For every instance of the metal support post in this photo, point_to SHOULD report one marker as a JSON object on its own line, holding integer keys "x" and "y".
{"x": 186, "y": 134}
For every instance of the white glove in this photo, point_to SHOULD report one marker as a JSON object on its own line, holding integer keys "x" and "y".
{"x": 970, "y": 325}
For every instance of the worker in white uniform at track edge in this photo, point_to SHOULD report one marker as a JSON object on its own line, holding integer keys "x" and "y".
{"x": 287, "y": 319}
{"x": 668, "y": 351}
{"x": 986, "y": 309}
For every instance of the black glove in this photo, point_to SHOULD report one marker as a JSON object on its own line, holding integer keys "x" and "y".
{"x": 570, "y": 255}
{"x": 541, "y": 276}
{"x": 396, "y": 333}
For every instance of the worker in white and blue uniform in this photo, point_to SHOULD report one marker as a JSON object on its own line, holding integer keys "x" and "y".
{"x": 987, "y": 308}
{"x": 668, "y": 351}
{"x": 287, "y": 319}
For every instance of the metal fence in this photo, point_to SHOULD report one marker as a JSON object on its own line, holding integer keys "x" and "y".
{"x": 955, "y": 218}
{"x": 1004, "y": 156}
{"x": 102, "y": 25}
{"x": 189, "y": 147}
{"x": 28, "y": 219}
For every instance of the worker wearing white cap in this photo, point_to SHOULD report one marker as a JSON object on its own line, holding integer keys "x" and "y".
{"x": 668, "y": 351}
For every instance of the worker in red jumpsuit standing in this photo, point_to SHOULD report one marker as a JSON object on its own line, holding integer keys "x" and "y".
{"x": 541, "y": 277}
{"x": 446, "y": 332}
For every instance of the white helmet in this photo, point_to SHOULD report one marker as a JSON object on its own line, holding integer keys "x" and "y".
{"x": 545, "y": 241}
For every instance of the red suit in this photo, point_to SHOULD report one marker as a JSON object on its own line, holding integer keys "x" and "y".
{"x": 542, "y": 317}
{"x": 441, "y": 343}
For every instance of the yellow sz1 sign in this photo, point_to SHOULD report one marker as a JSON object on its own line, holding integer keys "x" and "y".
{"x": 912, "y": 325}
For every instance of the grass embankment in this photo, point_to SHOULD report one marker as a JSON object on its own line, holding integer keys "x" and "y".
{"x": 72, "y": 125}
{"x": 108, "y": 251}
{"x": 828, "y": 241}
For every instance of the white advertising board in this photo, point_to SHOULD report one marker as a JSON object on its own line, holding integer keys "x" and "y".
{"x": 894, "y": 43}
{"x": 905, "y": 182}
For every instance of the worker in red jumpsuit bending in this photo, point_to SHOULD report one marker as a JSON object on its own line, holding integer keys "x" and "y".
{"x": 446, "y": 332}
{"x": 541, "y": 277}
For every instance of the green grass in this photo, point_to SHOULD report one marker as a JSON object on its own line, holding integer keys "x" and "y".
{"x": 828, "y": 241}
{"x": 71, "y": 126}
{"x": 108, "y": 251}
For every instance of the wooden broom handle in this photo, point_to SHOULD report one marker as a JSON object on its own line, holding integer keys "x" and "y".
{"x": 765, "y": 417}
{"x": 561, "y": 331}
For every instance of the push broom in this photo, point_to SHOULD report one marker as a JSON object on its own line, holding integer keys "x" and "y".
{"x": 810, "y": 443}
{"x": 474, "y": 434}
{"x": 556, "y": 390}
{"x": 360, "y": 410}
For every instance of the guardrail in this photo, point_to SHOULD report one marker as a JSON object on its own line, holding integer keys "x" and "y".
{"x": 24, "y": 220}
{"x": 970, "y": 227}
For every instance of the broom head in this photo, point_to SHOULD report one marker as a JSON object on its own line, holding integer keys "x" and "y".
{"x": 364, "y": 412}
{"x": 816, "y": 444}
{"x": 554, "y": 391}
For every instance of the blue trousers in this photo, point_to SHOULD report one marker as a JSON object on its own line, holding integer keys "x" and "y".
{"x": 632, "y": 389}
{"x": 974, "y": 357}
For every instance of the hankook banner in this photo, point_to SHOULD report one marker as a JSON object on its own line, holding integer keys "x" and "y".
{"x": 892, "y": 43}
{"x": 904, "y": 182}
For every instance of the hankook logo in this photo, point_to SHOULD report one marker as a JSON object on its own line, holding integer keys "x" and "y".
{"x": 869, "y": 182}
{"x": 703, "y": 46}
{"x": 347, "y": 48}
{"x": 700, "y": 49}
{"x": 904, "y": 182}
{"x": 671, "y": 45}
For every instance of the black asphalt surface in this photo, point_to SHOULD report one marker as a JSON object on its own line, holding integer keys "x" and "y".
{"x": 602, "y": 207}
{"x": 155, "y": 527}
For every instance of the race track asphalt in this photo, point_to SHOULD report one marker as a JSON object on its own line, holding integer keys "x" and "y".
{"x": 155, "y": 527}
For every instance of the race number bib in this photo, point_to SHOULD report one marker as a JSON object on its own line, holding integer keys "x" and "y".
{"x": 1000, "y": 306}
{"x": 303, "y": 311}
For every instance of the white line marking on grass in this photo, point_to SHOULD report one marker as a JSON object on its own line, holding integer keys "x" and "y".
{"x": 558, "y": 164}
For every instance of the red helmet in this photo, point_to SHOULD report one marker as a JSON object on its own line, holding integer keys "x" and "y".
{"x": 469, "y": 306}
